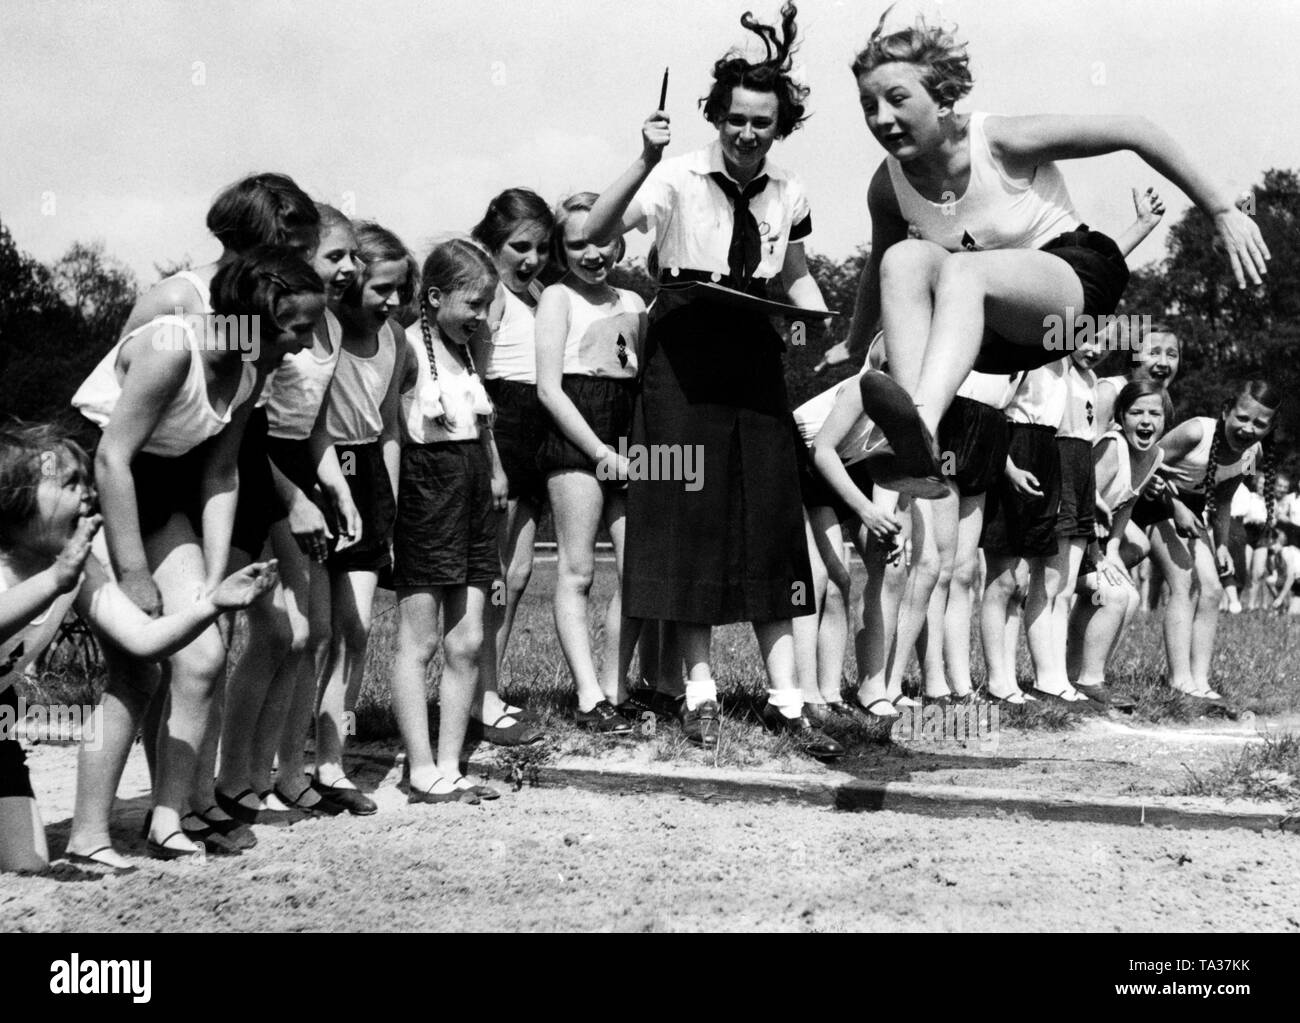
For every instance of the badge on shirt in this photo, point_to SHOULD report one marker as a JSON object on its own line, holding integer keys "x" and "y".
{"x": 968, "y": 243}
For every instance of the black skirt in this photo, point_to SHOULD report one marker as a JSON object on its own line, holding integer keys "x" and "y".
{"x": 724, "y": 541}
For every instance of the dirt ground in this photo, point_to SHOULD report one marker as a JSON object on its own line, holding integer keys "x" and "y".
{"x": 561, "y": 859}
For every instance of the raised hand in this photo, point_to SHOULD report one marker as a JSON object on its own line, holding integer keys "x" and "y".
{"x": 72, "y": 559}
{"x": 1148, "y": 206}
{"x": 655, "y": 136}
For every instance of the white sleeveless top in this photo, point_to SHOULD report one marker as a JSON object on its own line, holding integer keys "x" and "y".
{"x": 600, "y": 334}
{"x": 997, "y": 211}
{"x": 811, "y": 416}
{"x": 1078, "y": 420}
{"x": 457, "y": 394}
{"x": 1189, "y": 472}
{"x": 993, "y": 389}
{"x": 189, "y": 418}
{"x": 298, "y": 386}
{"x": 20, "y": 649}
{"x": 1123, "y": 488}
{"x": 514, "y": 343}
{"x": 1040, "y": 399}
{"x": 353, "y": 408}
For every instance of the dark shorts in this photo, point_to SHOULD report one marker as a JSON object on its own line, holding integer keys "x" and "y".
{"x": 163, "y": 486}
{"x": 520, "y": 431}
{"x": 973, "y": 440}
{"x": 372, "y": 492}
{"x": 606, "y": 405}
{"x": 15, "y": 782}
{"x": 446, "y": 533}
{"x": 260, "y": 506}
{"x": 817, "y": 493}
{"x": 1076, "y": 518}
{"x": 1148, "y": 512}
{"x": 1100, "y": 267}
{"x": 1025, "y": 527}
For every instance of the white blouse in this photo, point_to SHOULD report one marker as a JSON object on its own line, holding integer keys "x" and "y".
{"x": 692, "y": 217}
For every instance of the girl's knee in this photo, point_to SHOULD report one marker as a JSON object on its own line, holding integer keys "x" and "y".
{"x": 465, "y": 643}
{"x": 905, "y": 259}
{"x": 576, "y": 576}
{"x": 201, "y": 664}
{"x": 421, "y": 644}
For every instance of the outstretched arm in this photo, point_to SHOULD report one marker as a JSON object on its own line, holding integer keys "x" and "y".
{"x": 1022, "y": 143}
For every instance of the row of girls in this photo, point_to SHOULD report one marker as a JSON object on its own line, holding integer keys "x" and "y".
{"x": 288, "y": 479}
{"x": 403, "y": 434}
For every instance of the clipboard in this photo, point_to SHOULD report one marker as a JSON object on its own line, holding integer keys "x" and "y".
{"x": 678, "y": 294}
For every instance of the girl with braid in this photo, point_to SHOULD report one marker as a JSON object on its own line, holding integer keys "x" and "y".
{"x": 452, "y": 487}
{"x": 1204, "y": 459}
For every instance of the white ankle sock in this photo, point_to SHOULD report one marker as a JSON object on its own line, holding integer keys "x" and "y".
{"x": 788, "y": 701}
{"x": 699, "y": 690}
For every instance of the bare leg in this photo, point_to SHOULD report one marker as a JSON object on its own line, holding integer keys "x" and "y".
{"x": 353, "y": 595}
{"x": 833, "y": 627}
{"x": 621, "y": 634}
{"x": 961, "y": 596}
{"x": 1010, "y": 292}
{"x": 518, "y": 531}
{"x": 1205, "y": 624}
{"x": 995, "y": 614}
{"x": 934, "y": 543}
{"x": 418, "y": 611}
{"x": 197, "y": 673}
{"x": 807, "y": 627}
{"x": 576, "y": 499}
{"x": 22, "y": 836}
{"x": 1170, "y": 553}
{"x": 132, "y": 685}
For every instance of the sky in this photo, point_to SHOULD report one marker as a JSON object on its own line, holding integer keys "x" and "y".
{"x": 120, "y": 121}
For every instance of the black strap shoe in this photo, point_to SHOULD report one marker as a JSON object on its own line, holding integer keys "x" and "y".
{"x": 701, "y": 725}
{"x": 809, "y": 740}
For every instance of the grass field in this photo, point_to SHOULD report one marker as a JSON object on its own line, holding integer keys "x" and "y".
{"x": 1257, "y": 667}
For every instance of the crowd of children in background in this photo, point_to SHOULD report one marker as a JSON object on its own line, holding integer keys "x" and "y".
{"x": 404, "y": 425}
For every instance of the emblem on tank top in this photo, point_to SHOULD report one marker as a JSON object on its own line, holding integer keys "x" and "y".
{"x": 968, "y": 243}
{"x": 1088, "y": 408}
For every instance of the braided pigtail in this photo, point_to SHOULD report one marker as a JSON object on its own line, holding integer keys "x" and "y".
{"x": 1212, "y": 470}
{"x": 1268, "y": 457}
{"x": 430, "y": 396}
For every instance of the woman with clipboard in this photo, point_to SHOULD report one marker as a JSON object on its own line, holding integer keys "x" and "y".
{"x": 728, "y": 223}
